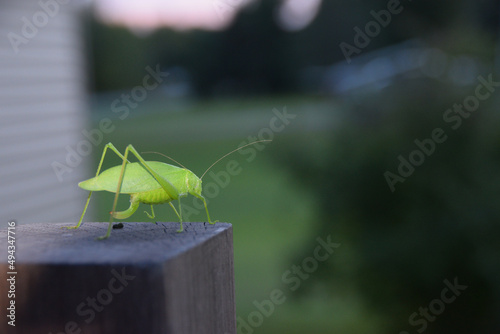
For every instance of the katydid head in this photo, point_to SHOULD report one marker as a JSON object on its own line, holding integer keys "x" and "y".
{"x": 235, "y": 150}
{"x": 194, "y": 182}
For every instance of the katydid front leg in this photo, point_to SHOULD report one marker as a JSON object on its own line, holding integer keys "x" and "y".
{"x": 152, "y": 215}
{"x": 205, "y": 203}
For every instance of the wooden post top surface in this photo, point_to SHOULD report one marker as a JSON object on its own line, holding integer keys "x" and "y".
{"x": 135, "y": 243}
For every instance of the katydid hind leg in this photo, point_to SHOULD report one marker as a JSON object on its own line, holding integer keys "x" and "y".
{"x": 124, "y": 159}
{"x": 166, "y": 185}
{"x": 113, "y": 148}
{"x": 134, "y": 205}
{"x": 110, "y": 226}
{"x": 127, "y": 213}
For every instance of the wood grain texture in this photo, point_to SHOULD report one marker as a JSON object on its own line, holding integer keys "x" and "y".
{"x": 145, "y": 278}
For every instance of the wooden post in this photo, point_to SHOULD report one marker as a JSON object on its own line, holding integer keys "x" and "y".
{"x": 145, "y": 278}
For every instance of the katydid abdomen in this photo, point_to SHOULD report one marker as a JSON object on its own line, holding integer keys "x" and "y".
{"x": 157, "y": 196}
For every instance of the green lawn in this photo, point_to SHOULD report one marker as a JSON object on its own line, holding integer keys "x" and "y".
{"x": 272, "y": 215}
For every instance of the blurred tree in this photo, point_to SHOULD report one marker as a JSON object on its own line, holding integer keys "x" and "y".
{"x": 440, "y": 223}
{"x": 251, "y": 56}
{"x": 117, "y": 56}
{"x": 256, "y": 53}
{"x": 254, "y": 56}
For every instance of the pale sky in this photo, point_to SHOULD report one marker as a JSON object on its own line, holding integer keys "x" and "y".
{"x": 187, "y": 14}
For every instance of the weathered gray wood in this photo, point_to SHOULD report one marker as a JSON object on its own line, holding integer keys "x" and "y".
{"x": 145, "y": 278}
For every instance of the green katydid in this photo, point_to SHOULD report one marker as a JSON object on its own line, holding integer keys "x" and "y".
{"x": 148, "y": 182}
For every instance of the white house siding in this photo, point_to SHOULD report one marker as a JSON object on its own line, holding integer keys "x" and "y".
{"x": 42, "y": 110}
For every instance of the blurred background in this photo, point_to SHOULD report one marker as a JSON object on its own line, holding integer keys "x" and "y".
{"x": 346, "y": 90}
